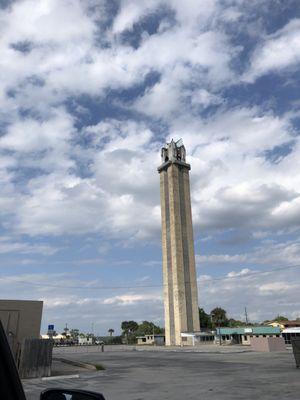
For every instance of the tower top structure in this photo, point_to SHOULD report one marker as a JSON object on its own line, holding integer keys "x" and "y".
{"x": 173, "y": 152}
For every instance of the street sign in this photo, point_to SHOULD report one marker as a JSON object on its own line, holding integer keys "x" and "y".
{"x": 50, "y": 327}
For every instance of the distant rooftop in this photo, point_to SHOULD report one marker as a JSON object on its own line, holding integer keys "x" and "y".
{"x": 255, "y": 330}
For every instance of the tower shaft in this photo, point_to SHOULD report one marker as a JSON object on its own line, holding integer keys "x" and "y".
{"x": 179, "y": 273}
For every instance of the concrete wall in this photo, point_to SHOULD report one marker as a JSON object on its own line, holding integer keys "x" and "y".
{"x": 267, "y": 344}
{"x": 21, "y": 319}
{"x": 148, "y": 339}
{"x": 35, "y": 358}
{"x": 188, "y": 341}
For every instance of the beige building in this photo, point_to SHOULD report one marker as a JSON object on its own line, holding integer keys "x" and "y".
{"x": 21, "y": 319}
{"x": 285, "y": 324}
{"x": 243, "y": 335}
{"x": 151, "y": 340}
{"x": 179, "y": 274}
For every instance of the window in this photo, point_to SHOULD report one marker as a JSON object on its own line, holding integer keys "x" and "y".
{"x": 184, "y": 339}
{"x": 144, "y": 339}
{"x": 245, "y": 337}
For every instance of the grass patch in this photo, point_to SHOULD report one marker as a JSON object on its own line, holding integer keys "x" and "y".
{"x": 99, "y": 367}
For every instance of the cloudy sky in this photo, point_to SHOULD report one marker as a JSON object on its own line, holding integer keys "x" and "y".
{"x": 89, "y": 92}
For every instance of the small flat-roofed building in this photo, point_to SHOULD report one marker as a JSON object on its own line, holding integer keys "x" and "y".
{"x": 196, "y": 338}
{"x": 84, "y": 340}
{"x": 243, "y": 335}
{"x": 158, "y": 340}
{"x": 290, "y": 333}
{"x": 21, "y": 319}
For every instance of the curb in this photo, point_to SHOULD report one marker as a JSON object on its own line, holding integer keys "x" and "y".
{"x": 76, "y": 363}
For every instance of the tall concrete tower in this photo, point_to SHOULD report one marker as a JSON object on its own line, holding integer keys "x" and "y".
{"x": 179, "y": 272}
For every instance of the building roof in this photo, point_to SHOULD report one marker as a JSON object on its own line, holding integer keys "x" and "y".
{"x": 285, "y": 324}
{"x": 254, "y": 330}
{"x": 289, "y": 324}
{"x": 142, "y": 337}
{"x": 194, "y": 334}
{"x": 292, "y": 330}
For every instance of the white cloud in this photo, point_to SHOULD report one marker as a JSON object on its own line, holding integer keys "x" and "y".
{"x": 277, "y": 287}
{"x": 7, "y": 245}
{"x": 31, "y": 135}
{"x": 278, "y": 51}
{"x": 131, "y": 12}
{"x": 61, "y": 178}
{"x": 276, "y": 254}
{"x": 243, "y": 272}
{"x": 264, "y": 294}
{"x": 128, "y": 299}
{"x": 220, "y": 258}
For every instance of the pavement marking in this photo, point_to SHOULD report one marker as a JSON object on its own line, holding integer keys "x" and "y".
{"x": 52, "y": 378}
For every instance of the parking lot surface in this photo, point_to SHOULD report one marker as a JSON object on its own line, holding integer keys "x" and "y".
{"x": 215, "y": 373}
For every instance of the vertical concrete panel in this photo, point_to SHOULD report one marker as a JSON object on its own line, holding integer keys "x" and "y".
{"x": 167, "y": 261}
{"x": 191, "y": 253}
{"x": 21, "y": 319}
{"x": 180, "y": 318}
{"x": 185, "y": 250}
{"x": 36, "y": 358}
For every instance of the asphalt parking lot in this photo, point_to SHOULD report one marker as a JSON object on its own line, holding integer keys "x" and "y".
{"x": 174, "y": 375}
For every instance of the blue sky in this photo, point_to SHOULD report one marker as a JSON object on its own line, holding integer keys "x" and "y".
{"x": 89, "y": 92}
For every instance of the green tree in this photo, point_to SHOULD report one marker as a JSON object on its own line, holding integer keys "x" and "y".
{"x": 234, "y": 323}
{"x": 280, "y": 318}
{"x": 74, "y": 333}
{"x": 205, "y": 319}
{"x": 219, "y": 317}
{"x": 111, "y": 331}
{"x": 148, "y": 328}
{"x": 129, "y": 328}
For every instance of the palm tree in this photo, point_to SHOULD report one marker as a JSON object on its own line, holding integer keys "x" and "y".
{"x": 111, "y": 331}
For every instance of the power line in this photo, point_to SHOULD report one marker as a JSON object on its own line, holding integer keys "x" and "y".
{"x": 226, "y": 278}
{"x": 249, "y": 275}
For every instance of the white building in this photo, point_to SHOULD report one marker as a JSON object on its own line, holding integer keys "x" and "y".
{"x": 289, "y": 333}
{"x": 85, "y": 340}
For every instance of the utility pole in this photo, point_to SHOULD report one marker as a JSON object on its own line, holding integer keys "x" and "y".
{"x": 246, "y": 316}
{"x": 153, "y": 335}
